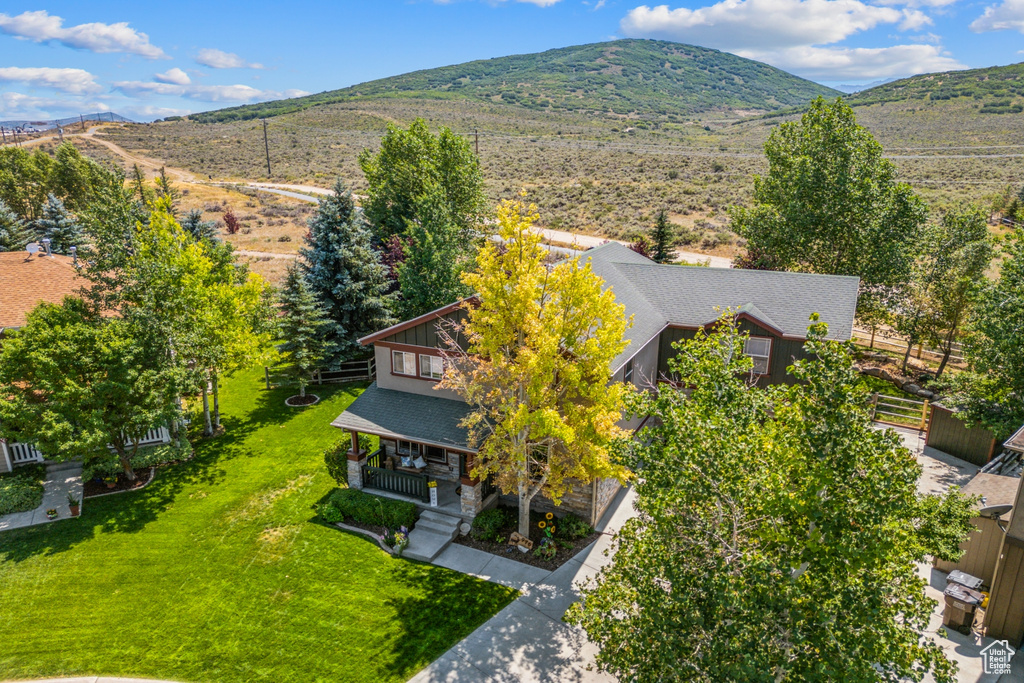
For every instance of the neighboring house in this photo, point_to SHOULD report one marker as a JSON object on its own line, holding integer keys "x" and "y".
{"x": 668, "y": 303}
{"x": 27, "y": 280}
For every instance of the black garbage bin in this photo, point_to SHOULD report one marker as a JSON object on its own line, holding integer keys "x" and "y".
{"x": 961, "y": 604}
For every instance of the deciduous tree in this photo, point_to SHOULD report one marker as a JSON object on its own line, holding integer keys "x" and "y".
{"x": 536, "y": 368}
{"x": 830, "y": 203}
{"x": 778, "y": 532}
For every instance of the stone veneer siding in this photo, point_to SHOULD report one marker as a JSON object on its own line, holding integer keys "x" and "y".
{"x": 579, "y": 500}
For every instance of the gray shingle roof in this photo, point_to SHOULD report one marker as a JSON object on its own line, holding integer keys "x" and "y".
{"x": 398, "y": 414}
{"x": 658, "y": 295}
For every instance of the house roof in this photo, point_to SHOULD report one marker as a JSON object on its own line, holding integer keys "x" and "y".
{"x": 1016, "y": 442}
{"x": 660, "y": 295}
{"x": 397, "y": 414}
{"x": 994, "y": 488}
{"x": 27, "y": 280}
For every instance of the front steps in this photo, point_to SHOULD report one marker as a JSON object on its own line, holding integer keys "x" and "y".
{"x": 432, "y": 534}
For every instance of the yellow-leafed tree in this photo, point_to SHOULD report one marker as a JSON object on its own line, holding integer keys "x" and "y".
{"x": 533, "y": 359}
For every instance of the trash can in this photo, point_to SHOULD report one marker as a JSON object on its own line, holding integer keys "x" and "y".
{"x": 965, "y": 580}
{"x": 961, "y": 604}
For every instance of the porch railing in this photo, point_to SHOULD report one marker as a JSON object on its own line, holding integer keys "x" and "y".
{"x": 403, "y": 483}
{"x": 22, "y": 453}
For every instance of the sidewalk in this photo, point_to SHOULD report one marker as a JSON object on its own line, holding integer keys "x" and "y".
{"x": 60, "y": 481}
{"x": 527, "y": 641}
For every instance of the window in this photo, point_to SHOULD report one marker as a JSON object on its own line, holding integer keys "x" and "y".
{"x": 627, "y": 371}
{"x": 760, "y": 349}
{"x": 403, "y": 363}
{"x": 435, "y": 454}
{"x": 408, "y": 448}
{"x": 431, "y": 367}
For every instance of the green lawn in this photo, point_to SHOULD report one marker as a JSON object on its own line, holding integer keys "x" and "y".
{"x": 218, "y": 571}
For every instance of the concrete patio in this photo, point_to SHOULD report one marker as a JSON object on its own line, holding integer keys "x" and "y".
{"x": 61, "y": 479}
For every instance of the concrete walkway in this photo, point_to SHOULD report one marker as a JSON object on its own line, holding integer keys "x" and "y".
{"x": 527, "y": 641}
{"x": 61, "y": 479}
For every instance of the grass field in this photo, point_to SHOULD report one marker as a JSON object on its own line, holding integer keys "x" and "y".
{"x": 218, "y": 571}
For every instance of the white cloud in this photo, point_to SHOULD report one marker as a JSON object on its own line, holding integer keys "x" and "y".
{"x": 41, "y": 27}
{"x": 14, "y": 105}
{"x": 149, "y": 113}
{"x": 204, "y": 93}
{"x": 914, "y": 20}
{"x": 175, "y": 76}
{"x": 758, "y": 24}
{"x": 861, "y": 63}
{"x": 1007, "y": 15}
{"x": 69, "y": 80}
{"x": 218, "y": 59}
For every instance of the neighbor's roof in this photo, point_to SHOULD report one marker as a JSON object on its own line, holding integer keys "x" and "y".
{"x": 398, "y": 414}
{"x": 1016, "y": 442}
{"x": 27, "y": 280}
{"x": 659, "y": 295}
{"x": 994, "y": 488}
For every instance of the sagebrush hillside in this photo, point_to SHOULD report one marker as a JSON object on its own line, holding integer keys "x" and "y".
{"x": 994, "y": 90}
{"x": 648, "y": 78}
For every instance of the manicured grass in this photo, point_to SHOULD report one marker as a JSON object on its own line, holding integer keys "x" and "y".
{"x": 219, "y": 571}
{"x": 22, "y": 489}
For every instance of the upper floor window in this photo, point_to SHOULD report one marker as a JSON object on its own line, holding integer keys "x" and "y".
{"x": 760, "y": 350}
{"x": 627, "y": 371}
{"x": 431, "y": 367}
{"x": 403, "y": 363}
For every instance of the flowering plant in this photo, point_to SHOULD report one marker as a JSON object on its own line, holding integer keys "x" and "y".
{"x": 432, "y": 484}
{"x": 396, "y": 540}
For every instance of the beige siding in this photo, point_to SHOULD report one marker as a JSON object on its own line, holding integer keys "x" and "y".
{"x": 412, "y": 385}
{"x": 1004, "y": 618}
{"x": 981, "y": 551}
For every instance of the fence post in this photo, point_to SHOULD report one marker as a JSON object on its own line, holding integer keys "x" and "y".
{"x": 266, "y": 375}
{"x": 369, "y": 368}
{"x": 919, "y": 347}
{"x": 924, "y": 416}
{"x": 874, "y": 404}
{"x": 319, "y": 376}
{"x": 872, "y": 337}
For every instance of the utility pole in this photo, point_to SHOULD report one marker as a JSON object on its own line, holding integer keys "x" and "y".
{"x": 82, "y": 119}
{"x": 266, "y": 146}
{"x": 476, "y": 142}
{"x": 3, "y": 134}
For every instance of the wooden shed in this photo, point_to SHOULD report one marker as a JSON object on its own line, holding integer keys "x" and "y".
{"x": 1004, "y": 617}
{"x": 949, "y": 434}
{"x": 982, "y": 547}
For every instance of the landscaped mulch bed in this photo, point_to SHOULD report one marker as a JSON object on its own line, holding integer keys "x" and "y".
{"x": 299, "y": 401}
{"x": 93, "y": 488}
{"x": 567, "y": 549}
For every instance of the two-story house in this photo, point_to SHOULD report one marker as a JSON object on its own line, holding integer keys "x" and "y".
{"x": 419, "y": 426}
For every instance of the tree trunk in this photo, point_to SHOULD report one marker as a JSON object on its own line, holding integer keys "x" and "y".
{"x": 216, "y": 400}
{"x": 525, "y": 498}
{"x": 302, "y": 389}
{"x": 126, "y": 464}
{"x": 947, "y": 351}
{"x": 207, "y": 425}
{"x": 906, "y": 356}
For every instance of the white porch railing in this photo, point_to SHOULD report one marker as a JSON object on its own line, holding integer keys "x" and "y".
{"x": 23, "y": 452}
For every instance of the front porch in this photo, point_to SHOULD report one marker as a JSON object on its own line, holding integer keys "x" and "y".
{"x": 449, "y": 500}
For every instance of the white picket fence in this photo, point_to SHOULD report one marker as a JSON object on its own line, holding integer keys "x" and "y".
{"x": 22, "y": 453}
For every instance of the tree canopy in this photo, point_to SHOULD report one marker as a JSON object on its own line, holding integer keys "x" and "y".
{"x": 28, "y": 178}
{"x": 536, "y": 370}
{"x": 778, "y": 531}
{"x": 830, "y": 203}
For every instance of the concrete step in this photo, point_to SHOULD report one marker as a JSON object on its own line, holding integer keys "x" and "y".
{"x": 437, "y": 527}
{"x": 63, "y": 466}
{"x": 425, "y": 544}
{"x": 439, "y": 518}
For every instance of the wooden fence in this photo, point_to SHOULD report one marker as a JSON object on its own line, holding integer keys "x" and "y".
{"x": 349, "y": 371}
{"x": 880, "y": 339}
{"x": 901, "y": 412}
{"x": 949, "y": 434}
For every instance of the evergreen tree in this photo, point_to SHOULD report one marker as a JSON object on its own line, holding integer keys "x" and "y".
{"x": 14, "y": 234}
{"x": 59, "y": 226}
{"x": 303, "y": 328}
{"x": 165, "y": 189}
{"x": 346, "y": 275}
{"x": 201, "y": 231}
{"x": 661, "y": 236}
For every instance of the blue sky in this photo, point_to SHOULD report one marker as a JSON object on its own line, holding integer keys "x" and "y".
{"x": 148, "y": 60}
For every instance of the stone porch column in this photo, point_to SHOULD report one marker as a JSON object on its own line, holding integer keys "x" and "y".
{"x": 472, "y": 497}
{"x": 356, "y": 460}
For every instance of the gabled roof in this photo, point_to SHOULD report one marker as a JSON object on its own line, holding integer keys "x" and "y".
{"x": 660, "y": 295}
{"x": 27, "y": 280}
{"x": 401, "y": 415}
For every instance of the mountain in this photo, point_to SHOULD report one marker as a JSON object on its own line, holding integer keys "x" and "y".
{"x": 643, "y": 78}
{"x": 995, "y": 90}
{"x": 71, "y": 120}
{"x": 851, "y": 88}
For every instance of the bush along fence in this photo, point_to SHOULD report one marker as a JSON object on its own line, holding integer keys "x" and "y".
{"x": 349, "y": 371}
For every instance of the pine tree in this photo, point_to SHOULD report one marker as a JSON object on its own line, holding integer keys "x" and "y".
{"x": 165, "y": 189}
{"x": 14, "y": 234}
{"x": 346, "y": 275}
{"x": 201, "y": 231}
{"x": 303, "y": 328}
{"x": 661, "y": 236}
{"x": 59, "y": 226}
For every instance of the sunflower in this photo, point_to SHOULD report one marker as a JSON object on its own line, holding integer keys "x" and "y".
{"x": 542, "y": 524}
{"x": 552, "y": 529}
{"x": 550, "y": 515}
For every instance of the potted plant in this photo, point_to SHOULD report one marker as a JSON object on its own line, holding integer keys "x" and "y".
{"x": 51, "y": 513}
{"x": 110, "y": 480}
{"x": 74, "y": 504}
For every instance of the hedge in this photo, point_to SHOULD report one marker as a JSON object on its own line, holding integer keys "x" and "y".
{"x": 356, "y": 506}
{"x": 22, "y": 489}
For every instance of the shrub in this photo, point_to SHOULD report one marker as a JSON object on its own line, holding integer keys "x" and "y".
{"x": 337, "y": 462}
{"x": 487, "y": 525}
{"x": 573, "y": 527}
{"x": 231, "y": 223}
{"x": 22, "y": 489}
{"x": 372, "y": 510}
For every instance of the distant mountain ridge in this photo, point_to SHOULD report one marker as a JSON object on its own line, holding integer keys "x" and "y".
{"x": 997, "y": 89}
{"x": 37, "y": 124}
{"x": 645, "y": 78}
